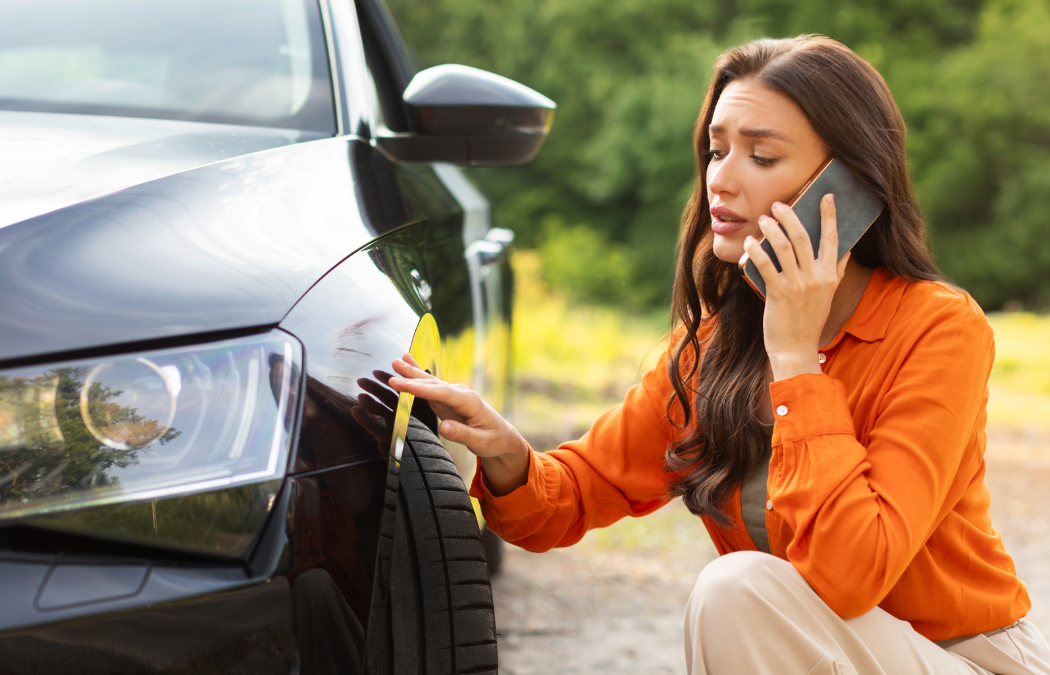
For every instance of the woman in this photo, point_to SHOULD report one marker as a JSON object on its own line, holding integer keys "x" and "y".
{"x": 839, "y": 426}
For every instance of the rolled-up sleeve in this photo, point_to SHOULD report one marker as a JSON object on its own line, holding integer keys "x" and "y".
{"x": 861, "y": 512}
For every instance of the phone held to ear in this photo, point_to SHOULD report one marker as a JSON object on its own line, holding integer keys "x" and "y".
{"x": 856, "y": 209}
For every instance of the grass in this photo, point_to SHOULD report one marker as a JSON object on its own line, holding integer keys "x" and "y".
{"x": 595, "y": 346}
{"x": 572, "y": 362}
{"x": 1019, "y": 388}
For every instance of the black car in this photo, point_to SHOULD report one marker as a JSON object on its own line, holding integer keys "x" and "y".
{"x": 220, "y": 220}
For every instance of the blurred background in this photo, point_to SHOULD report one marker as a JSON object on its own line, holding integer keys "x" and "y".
{"x": 602, "y": 201}
{"x": 597, "y": 214}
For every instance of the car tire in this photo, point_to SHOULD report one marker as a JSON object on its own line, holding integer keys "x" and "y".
{"x": 440, "y": 603}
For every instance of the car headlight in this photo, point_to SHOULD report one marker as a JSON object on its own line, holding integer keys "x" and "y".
{"x": 147, "y": 426}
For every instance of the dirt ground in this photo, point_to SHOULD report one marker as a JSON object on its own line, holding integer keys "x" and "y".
{"x": 613, "y": 604}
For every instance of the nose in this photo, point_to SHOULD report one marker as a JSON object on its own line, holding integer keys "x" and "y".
{"x": 720, "y": 176}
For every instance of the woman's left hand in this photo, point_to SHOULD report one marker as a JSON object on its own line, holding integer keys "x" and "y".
{"x": 798, "y": 298}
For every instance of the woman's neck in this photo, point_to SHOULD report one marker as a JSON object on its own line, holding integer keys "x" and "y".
{"x": 846, "y": 299}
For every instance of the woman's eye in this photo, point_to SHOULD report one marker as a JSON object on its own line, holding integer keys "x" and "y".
{"x": 714, "y": 154}
{"x": 764, "y": 161}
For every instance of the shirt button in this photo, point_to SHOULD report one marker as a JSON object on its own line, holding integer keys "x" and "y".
{"x": 821, "y": 358}
{"x": 782, "y": 410}
{"x": 769, "y": 505}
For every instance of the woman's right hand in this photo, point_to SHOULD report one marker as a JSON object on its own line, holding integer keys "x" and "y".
{"x": 469, "y": 420}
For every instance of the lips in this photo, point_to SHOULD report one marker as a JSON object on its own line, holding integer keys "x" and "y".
{"x": 726, "y": 221}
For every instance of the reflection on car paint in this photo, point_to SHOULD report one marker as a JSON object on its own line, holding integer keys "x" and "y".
{"x": 230, "y": 245}
{"x": 333, "y": 538}
{"x": 87, "y": 156}
{"x": 226, "y": 523}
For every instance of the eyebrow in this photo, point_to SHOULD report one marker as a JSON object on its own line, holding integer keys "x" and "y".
{"x": 750, "y": 133}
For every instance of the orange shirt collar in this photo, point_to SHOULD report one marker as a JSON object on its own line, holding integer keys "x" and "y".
{"x": 876, "y": 308}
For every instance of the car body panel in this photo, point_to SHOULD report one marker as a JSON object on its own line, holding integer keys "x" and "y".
{"x": 355, "y": 321}
{"x": 303, "y": 615}
{"x": 229, "y": 245}
{"x": 119, "y": 583}
{"x": 227, "y": 628}
{"x": 52, "y": 161}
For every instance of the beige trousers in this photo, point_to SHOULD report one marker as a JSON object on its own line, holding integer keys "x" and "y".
{"x": 753, "y": 613}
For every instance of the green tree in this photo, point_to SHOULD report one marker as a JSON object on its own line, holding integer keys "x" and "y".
{"x": 980, "y": 142}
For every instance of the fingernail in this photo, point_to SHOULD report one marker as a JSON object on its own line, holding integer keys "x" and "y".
{"x": 829, "y": 199}
{"x": 778, "y": 205}
{"x": 446, "y": 429}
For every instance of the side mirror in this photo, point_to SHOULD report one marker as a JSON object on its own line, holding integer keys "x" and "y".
{"x": 471, "y": 117}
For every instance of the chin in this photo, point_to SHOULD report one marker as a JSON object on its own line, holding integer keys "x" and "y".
{"x": 728, "y": 250}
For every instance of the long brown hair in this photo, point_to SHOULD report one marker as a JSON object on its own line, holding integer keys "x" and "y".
{"x": 852, "y": 110}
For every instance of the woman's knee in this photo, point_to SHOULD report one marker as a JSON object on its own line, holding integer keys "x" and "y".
{"x": 739, "y": 579}
{"x": 731, "y": 595}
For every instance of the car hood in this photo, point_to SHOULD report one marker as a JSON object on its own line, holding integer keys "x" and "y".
{"x": 229, "y": 245}
{"x": 54, "y": 160}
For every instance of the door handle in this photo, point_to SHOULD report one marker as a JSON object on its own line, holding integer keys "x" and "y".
{"x": 492, "y": 247}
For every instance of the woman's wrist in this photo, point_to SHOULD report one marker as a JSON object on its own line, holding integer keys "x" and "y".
{"x": 786, "y": 366}
{"x": 506, "y": 472}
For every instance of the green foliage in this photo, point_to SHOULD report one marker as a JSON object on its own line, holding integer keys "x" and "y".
{"x": 572, "y": 361}
{"x": 1019, "y": 388}
{"x": 981, "y": 146}
{"x": 970, "y": 76}
{"x": 580, "y": 260}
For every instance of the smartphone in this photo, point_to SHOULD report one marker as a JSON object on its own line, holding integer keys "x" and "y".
{"x": 856, "y": 208}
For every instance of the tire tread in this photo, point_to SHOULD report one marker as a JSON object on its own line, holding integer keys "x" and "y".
{"x": 458, "y": 623}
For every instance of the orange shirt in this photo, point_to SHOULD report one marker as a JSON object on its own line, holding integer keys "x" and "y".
{"x": 876, "y": 481}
